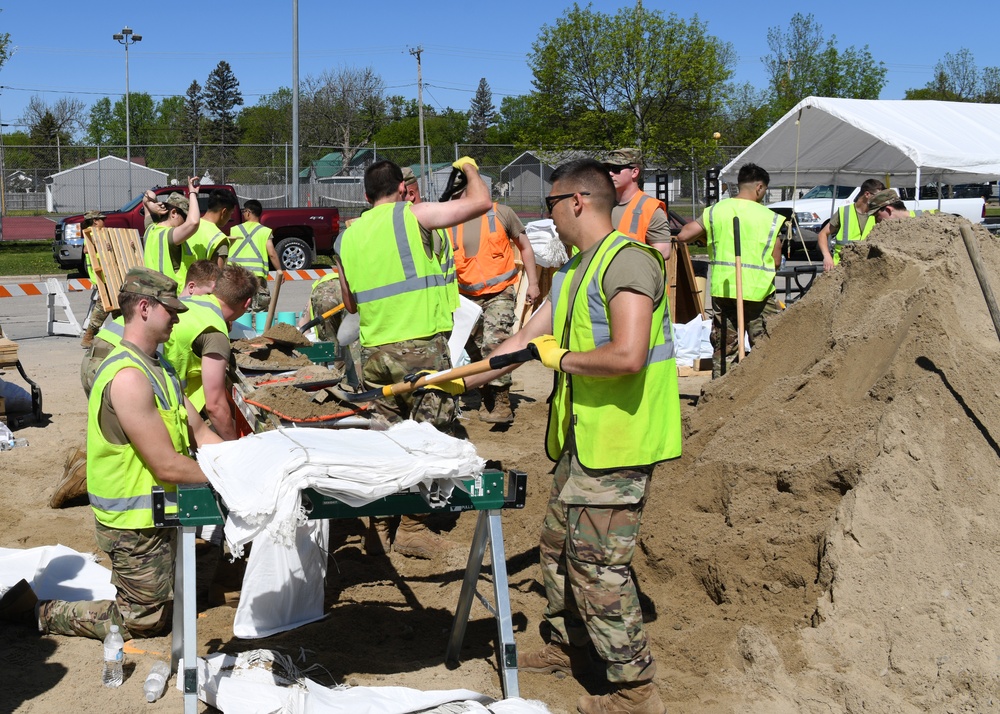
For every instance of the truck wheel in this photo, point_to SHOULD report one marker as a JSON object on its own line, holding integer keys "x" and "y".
{"x": 295, "y": 254}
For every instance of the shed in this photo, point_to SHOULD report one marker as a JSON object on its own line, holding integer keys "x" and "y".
{"x": 845, "y": 141}
{"x": 331, "y": 165}
{"x": 101, "y": 184}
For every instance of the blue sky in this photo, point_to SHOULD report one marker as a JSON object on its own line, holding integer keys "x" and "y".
{"x": 65, "y": 48}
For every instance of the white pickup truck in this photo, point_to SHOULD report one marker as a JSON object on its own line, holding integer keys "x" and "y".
{"x": 814, "y": 209}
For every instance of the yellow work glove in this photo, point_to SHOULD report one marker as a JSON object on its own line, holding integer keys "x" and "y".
{"x": 453, "y": 387}
{"x": 463, "y": 161}
{"x": 547, "y": 349}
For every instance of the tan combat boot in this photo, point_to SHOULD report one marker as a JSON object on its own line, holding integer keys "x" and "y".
{"x": 501, "y": 413}
{"x": 74, "y": 480}
{"x": 88, "y": 338}
{"x": 641, "y": 698}
{"x": 554, "y": 658}
{"x": 415, "y": 540}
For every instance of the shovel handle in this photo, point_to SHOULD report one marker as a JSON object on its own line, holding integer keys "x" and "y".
{"x": 316, "y": 320}
{"x": 484, "y": 365}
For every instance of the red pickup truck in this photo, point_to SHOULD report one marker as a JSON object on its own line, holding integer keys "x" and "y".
{"x": 299, "y": 233}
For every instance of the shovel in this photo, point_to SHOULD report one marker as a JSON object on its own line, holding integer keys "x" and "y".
{"x": 484, "y": 365}
{"x": 316, "y": 320}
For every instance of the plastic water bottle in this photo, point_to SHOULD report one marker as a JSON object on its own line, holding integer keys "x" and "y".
{"x": 114, "y": 658}
{"x": 156, "y": 682}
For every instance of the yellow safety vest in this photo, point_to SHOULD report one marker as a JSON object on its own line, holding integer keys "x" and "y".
{"x": 204, "y": 313}
{"x": 758, "y": 230}
{"x": 205, "y": 242}
{"x": 401, "y": 293}
{"x": 249, "y": 247}
{"x": 156, "y": 254}
{"x": 850, "y": 230}
{"x": 618, "y": 422}
{"x": 118, "y": 479}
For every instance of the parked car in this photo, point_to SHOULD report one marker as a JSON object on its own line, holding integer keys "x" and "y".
{"x": 300, "y": 234}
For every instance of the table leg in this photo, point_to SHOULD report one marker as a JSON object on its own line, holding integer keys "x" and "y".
{"x": 184, "y": 650}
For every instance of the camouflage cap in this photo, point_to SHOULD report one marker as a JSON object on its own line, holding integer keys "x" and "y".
{"x": 93, "y": 215}
{"x": 625, "y": 157}
{"x": 144, "y": 281}
{"x": 882, "y": 199}
{"x": 178, "y": 201}
{"x": 408, "y": 176}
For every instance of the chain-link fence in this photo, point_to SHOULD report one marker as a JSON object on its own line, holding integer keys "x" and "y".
{"x": 73, "y": 179}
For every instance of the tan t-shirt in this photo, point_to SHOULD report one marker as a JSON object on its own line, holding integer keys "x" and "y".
{"x": 111, "y": 428}
{"x": 633, "y": 268}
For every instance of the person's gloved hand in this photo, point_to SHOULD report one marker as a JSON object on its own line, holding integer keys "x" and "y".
{"x": 547, "y": 349}
{"x": 463, "y": 161}
{"x": 453, "y": 387}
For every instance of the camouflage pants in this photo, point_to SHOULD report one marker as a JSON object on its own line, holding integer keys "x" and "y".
{"x": 97, "y": 315}
{"x": 142, "y": 571}
{"x": 262, "y": 298}
{"x": 390, "y": 363}
{"x": 724, "y": 328}
{"x": 494, "y": 326}
{"x": 324, "y": 297}
{"x": 585, "y": 552}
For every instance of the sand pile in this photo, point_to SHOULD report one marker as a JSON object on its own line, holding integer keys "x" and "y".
{"x": 828, "y": 541}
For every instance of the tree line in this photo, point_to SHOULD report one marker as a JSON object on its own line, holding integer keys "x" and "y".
{"x": 633, "y": 77}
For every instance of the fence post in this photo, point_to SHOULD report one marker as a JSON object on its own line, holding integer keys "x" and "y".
{"x": 194, "y": 158}
{"x": 288, "y": 185}
{"x": 100, "y": 184}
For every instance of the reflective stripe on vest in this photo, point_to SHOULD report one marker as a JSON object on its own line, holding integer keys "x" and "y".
{"x": 492, "y": 268}
{"x": 256, "y": 263}
{"x": 638, "y": 215}
{"x": 758, "y": 267}
{"x": 622, "y": 421}
{"x": 118, "y": 480}
{"x": 203, "y": 313}
{"x": 401, "y": 295}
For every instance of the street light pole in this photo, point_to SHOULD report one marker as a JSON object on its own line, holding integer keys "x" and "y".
{"x": 127, "y": 37}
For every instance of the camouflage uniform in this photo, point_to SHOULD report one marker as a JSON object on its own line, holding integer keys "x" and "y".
{"x": 262, "y": 298}
{"x": 326, "y": 296}
{"x": 495, "y": 326}
{"x": 92, "y": 359}
{"x": 589, "y": 535}
{"x": 391, "y": 363}
{"x": 724, "y": 327}
{"x": 142, "y": 571}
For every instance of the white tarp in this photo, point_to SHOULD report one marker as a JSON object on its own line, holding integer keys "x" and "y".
{"x": 56, "y": 572}
{"x": 845, "y": 141}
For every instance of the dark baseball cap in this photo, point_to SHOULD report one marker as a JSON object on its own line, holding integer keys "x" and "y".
{"x": 144, "y": 281}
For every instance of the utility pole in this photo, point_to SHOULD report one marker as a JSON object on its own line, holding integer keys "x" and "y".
{"x": 420, "y": 118}
{"x": 294, "y": 188}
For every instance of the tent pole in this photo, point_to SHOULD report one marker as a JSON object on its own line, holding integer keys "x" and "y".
{"x": 916, "y": 190}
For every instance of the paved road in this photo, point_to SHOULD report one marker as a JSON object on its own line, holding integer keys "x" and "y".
{"x": 25, "y": 318}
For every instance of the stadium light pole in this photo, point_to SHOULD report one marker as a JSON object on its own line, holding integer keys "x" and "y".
{"x": 127, "y": 37}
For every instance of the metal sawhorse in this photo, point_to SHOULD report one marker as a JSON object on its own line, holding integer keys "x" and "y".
{"x": 489, "y": 494}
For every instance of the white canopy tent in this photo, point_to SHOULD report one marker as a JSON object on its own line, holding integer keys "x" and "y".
{"x": 845, "y": 141}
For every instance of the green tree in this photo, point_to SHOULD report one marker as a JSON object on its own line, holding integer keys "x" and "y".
{"x": 637, "y": 77}
{"x": 482, "y": 113}
{"x": 99, "y": 122}
{"x": 745, "y": 116}
{"x": 804, "y": 62}
{"x": 67, "y": 112}
{"x": 221, "y": 97}
{"x": 194, "y": 107}
{"x": 269, "y": 121}
{"x": 957, "y": 78}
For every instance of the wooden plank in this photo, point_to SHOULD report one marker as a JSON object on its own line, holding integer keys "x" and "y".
{"x": 117, "y": 251}
{"x": 686, "y": 301}
{"x": 98, "y": 268}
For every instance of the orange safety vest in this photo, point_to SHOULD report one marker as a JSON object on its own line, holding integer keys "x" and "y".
{"x": 492, "y": 268}
{"x": 638, "y": 215}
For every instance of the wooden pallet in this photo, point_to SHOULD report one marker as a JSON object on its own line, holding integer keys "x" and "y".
{"x": 113, "y": 252}
{"x": 8, "y": 352}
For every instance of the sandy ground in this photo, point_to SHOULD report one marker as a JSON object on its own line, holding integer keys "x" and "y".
{"x": 825, "y": 544}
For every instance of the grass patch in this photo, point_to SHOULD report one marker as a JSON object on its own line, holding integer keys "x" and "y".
{"x": 29, "y": 257}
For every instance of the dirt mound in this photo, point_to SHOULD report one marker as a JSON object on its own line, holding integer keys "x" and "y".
{"x": 826, "y": 543}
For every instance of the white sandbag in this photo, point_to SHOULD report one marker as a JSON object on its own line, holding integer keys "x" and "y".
{"x": 350, "y": 329}
{"x": 56, "y": 572}
{"x": 692, "y": 341}
{"x": 549, "y": 250}
{"x": 283, "y": 585}
{"x": 466, "y": 316}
